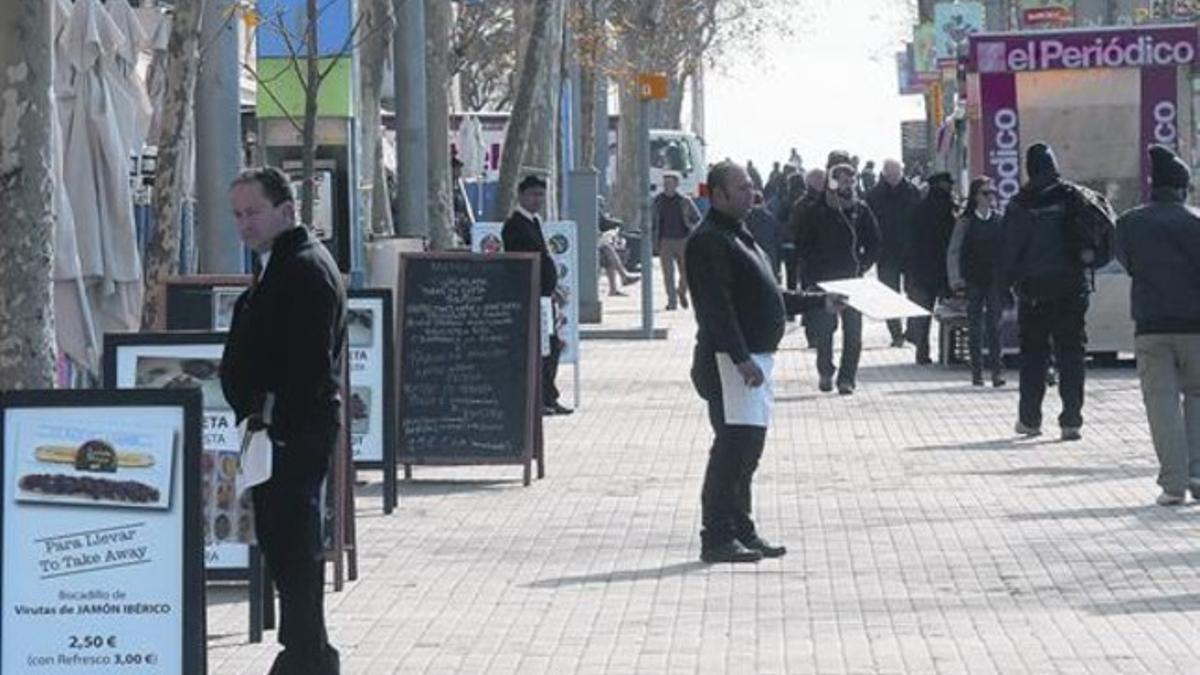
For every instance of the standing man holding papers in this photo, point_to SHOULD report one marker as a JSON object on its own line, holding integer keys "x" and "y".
{"x": 281, "y": 370}
{"x": 741, "y": 313}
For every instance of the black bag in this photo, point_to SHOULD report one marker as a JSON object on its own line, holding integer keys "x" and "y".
{"x": 1092, "y": 227}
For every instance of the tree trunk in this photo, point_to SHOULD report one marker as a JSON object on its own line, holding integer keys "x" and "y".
{"x": 308, "y": 137}
{"x": 175, "y": 141}
{"x": 26, "y": 197}
{"x": 520, "y": 121}
{"x": 541, "y": 155}
{"x": 377, "y": 30}
{"x": 438, "y": 26}
{"x": 627, "y": 192}
{"x": 592, "y": 45}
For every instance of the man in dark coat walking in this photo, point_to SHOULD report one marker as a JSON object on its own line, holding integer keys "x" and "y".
{"x": 282, "y": 370}
{"x": 1045, "y": 266}
{"x": 741, "y": 314}
{"x": 893, "y": 201}
{"x": 926, "y": 279}
{"x": 523, "y": 233}
{"x": 1158, "y": 243}
{"x": 838, "y": 238}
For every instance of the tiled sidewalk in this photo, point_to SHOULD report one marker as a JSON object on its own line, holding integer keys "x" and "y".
{"x": 923, "y": 538}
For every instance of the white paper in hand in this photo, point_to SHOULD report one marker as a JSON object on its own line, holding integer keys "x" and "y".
{"x": 255, "y": 465}
{"x": 744, "y": 405}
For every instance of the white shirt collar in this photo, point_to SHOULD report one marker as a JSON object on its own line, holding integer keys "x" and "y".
{"x": 263, "y": 259}
{"x": 532, "y": 216}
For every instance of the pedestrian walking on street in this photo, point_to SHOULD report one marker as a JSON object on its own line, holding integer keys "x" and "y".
{"x": 1158, "y": 243}
{"x": 522, "y": 232}
{"x": 867, "y": 179}
{"x": 675, "y": 214}
{"x": 282, "y": 371}
{"x": 838, "y": 238}
{"x": 926, "y": 279}
{"x": 755, "y": 176}
{"x": 767, "y": 232}
{"x": 893, "y": 201}
{"x": 774, "y": 182}
{"x": 973, "y": 265}
{"x": 1045, "y": 263}
{"x": 741, "y": 313}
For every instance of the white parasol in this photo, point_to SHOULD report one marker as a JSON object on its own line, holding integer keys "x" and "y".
{"x": 472, "y": 150}
{"x": 96, "y": 166}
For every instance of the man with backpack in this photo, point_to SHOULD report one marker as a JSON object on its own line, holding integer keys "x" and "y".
{"x": 1054, "y": 233}
{"x": 1159, "y": 245}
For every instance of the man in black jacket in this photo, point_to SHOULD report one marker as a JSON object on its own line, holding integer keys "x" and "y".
{"x": 926, "y": 278}
{"x": 1159, "y": 245}
{"x": 282, "y": 370}
{"x": 741, "y": 313}
{"x": 523, "y": 233}
{"x": 893, "y": 201}
{"x": 838, "y": 238}
{"x": 1045, "y": 266}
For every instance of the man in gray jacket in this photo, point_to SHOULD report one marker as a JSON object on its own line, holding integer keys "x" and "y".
{"x": 1159, "y": 245}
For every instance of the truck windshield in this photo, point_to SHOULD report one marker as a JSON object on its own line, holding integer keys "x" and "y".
{"x": 671, "y": 154}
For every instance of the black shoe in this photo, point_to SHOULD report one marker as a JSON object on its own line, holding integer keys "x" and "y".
{"x": 845, "y": 388}
{"x": 977, "y": 380}
{"x": 683, "y": 301}
{"x": 732, "y": 552}
{"x": 826, "y": 384}
{"x": 898, "y": 342}
{"x": 998, "y": 379}
{"x": 557, "y": 409}
{"x": 764, "y": 547}
{"x": 924, "y": 360}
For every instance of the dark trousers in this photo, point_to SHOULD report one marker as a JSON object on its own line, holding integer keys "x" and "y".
{"x": 287, "y": 520}
{"x": 825, "y": 324}
{"x": 550, "y": 391}
{"x": 918, "y": 328}
{"x": 791, "y": 266}
{"x": 889, "y": 275}
{"x": 726, "y": 500}
{"x": 1060, "y": 322}
{"x": 985, "y": 306}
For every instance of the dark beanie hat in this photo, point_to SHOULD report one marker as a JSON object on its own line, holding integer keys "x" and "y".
{"x": 1040, "y": 161}
{"x": 531, "y": 181}
{"x": 1167, "y": 170}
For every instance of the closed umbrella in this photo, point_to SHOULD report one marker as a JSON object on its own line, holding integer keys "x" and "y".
{"x": 472, "y": 150}
{"x": 74, "y": 329}
{"x": 96, "y": 167}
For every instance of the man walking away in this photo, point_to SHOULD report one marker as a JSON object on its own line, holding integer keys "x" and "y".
{"x": 838, "y": 238}
{"x": 522, "y": 232}
{"x": 766, "y": 231}
{"x": 1046, "y": 265}
{"x": 282, "y": 371}
{"x": 1159, "y": 245}
{"x": 893, "y": 201}
{"x": 740, "y": 313}
{"x": 926, "y": 279}
{"x": 674, "y": 215}
{"x": 867, "y": 179}
{"x": 973, "y": 264}
{"x": 755, "y": 176}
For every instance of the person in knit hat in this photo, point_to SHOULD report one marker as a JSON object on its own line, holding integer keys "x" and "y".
{"x": 1044, "y": 266}
{"x": 1158, "y": 243}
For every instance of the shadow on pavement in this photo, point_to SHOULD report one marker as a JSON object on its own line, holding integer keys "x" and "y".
{"x": 440, "y": 488}
{"x": 963, "y": 388}
{"x": 1067, "y": 472}
{"x": 1187, "y": 602}
{"x": 1149, "y": 513}
{"x": 1017, "y": 443}
{"x": 621, "y": 575}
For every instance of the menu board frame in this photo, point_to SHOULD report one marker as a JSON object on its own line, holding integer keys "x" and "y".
{"x": 261, "y": 601}
{"x": 181, "y": 409}
{"x": 530, "y": 425}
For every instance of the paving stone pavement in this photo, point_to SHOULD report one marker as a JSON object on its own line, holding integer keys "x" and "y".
{"x": 923, "y": 538}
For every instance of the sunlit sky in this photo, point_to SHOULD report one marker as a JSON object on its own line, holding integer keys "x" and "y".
{"x": 831, "y": 86}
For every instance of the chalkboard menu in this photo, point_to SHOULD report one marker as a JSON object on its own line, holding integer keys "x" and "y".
{"x": 468, "y": 358}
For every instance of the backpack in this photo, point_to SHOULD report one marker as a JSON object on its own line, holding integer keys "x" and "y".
{"x": 1092, "y": 227}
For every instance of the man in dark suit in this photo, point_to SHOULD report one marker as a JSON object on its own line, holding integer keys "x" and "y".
{"x": 281, "y": 370}
{"x": 741, "y": 313}
{"x": 523, "y": 233}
